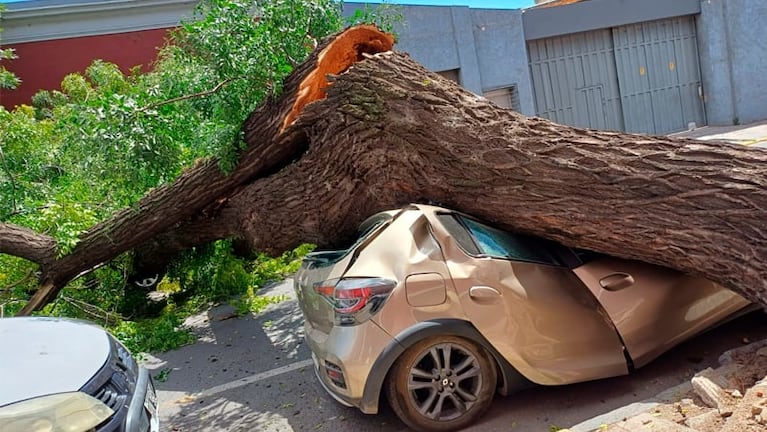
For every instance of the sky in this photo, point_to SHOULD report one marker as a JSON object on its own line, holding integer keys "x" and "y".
{"x": 489, "y": 4}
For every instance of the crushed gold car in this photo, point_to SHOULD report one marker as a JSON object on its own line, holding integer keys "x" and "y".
{"x": 440, "y": 311}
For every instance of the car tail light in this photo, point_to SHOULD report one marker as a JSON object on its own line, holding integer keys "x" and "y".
{"x": 355, "y": 300}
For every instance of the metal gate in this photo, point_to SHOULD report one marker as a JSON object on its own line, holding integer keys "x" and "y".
{"x": 639, "y": 78}
{"x": 575, "y": 80}
{"x": 659, "y": 75}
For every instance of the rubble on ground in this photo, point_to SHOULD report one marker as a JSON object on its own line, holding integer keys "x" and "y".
{"x": 730, "y": 398}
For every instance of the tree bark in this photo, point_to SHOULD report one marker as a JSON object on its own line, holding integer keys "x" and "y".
{"x": 387, "y": 132}
{"x": 25, "y": 243}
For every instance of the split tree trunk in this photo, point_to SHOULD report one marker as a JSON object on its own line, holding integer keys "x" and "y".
{"x": 390, "y": 133}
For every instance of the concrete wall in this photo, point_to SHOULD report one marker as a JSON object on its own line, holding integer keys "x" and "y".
{"x": 56, "y": 37}
{"x": 486, "y": 46}
{"x": 598, "y": 14}
{"x": 44, "y": 20}
{"x": 43, "y": 64}
{"x": 733, "y": 56}
{"x": 502, "y": 54}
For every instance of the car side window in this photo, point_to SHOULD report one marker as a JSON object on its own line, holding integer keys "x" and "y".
{"x": 495, "y": 243}
{"x": 459, "y": 233}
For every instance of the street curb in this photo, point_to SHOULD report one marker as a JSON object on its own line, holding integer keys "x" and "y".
{"x": 630, "y": 410}
{"x": 672, "y": 394}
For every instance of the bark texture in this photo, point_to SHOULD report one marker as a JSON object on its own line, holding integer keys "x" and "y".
{"x": 26, "y": 243}
{"x": 383, "y": 138}
{"x": 387, "y": 132}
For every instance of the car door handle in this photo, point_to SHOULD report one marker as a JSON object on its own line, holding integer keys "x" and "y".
{"x": 616, "y": 281}
{"x": 483, "y": 292}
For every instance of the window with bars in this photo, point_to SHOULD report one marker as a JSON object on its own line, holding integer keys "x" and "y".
{"x": 504, "y": 97}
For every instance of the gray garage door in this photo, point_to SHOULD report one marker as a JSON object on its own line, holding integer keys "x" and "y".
{"x": 659, "y": 75}
{"x": 638, "y": 78}
{"x": 575, "y": 81}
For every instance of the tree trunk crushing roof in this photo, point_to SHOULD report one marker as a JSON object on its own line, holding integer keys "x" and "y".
{"x": 360, "y": 129}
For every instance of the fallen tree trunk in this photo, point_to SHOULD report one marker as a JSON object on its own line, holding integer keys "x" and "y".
{"x": 383, "y": 138}
{"x": 200, "y": 191}
{"x": 389, "y": 133}
{"x": 700, "y": 207}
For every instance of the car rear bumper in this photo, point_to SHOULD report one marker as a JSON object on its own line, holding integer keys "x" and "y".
{"x": 343, "y": 360}
{"x": 327, "y": 386}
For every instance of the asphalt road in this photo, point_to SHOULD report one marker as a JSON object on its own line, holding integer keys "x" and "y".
{"x": 254, "y": 373}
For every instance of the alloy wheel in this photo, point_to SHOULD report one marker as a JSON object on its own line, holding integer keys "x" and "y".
{"x": 445, "y": 381}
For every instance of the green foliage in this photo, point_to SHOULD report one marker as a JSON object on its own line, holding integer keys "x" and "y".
{"x": 8, "y": 80}
{"x": 98, "y": 296}
{"x": 107, "y": 138}
{"x": 16, "y": 275}
{"x": 213, "y": 273}
{"x": 386, "y": 16}
{"x": 250, "y": 302}
{"x": 151, "y": 335}
{"x": 28, "y": 166}
{"x": 199, "y": 278}
{"x": 162, "y": 376}
{"x": 267, "y": 269}
{"x": 78, "y": 155}
{"x": 248, "y": 56}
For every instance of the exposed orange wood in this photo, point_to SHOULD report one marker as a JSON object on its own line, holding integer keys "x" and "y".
{"x": 345, "y": 50}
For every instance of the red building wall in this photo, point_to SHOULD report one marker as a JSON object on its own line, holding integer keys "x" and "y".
{"x": 42, "y": 65}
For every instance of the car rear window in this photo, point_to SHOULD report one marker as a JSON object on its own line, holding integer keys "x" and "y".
{"x": 367, "y": 231}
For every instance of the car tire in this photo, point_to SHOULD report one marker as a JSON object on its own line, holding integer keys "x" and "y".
{"x": 442, "y": 383}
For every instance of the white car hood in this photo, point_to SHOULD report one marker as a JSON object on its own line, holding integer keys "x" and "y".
{"x": 42, "y": 356}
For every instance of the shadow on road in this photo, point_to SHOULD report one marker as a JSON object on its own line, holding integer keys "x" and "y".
{"x": 230, "y": 379}
{"x": 253, "y": 373}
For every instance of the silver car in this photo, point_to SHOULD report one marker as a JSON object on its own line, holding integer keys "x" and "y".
{"x": 440, "y": 311}
{"x": 63, "y": 375}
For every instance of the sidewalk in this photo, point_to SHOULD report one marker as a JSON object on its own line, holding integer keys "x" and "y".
{"x": 648, "y": 415}
{"x": 730, "y": 398}
{"x": 754, "y": 134}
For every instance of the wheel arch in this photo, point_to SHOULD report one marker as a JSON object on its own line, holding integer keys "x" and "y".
{"x": 511, "y": 380}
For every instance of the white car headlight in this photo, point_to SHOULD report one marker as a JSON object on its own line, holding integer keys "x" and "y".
{"x": 63, "y": 412}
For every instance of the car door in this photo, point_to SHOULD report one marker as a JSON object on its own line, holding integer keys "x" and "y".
{"x": 655, "y": 308}
{"x": 536, "y": 313}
